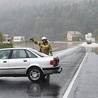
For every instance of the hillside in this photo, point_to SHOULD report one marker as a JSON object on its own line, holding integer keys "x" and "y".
{"x": 50, "y": 19}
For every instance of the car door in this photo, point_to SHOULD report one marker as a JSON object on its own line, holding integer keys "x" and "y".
{"x": 4, "y": 61}
{"x": 18, "y": 62}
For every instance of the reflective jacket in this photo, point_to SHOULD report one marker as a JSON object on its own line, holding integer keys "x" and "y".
{"x": 44, "y": 47}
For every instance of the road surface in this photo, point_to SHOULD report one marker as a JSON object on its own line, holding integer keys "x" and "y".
{"x": 70, "y": 60}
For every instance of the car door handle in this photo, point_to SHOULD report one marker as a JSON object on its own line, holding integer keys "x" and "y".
{"x": 4, "y": 61}
{"x": 24, "y": 60}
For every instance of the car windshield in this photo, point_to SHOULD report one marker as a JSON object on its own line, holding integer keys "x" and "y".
{"x": 39, "y": 53}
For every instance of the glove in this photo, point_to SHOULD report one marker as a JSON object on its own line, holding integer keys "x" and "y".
{"x": 31, "y": 39}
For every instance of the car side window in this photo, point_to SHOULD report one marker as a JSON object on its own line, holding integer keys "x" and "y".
{"x": 4, "y": 54}
{"x": 31, "y": 55}
{"x": 19, "y": 54}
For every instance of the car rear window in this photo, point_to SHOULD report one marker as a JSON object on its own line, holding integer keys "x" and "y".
{"x": 39, "y": 53}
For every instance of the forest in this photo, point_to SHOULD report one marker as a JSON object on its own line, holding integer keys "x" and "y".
{"x": 51, "y": 20}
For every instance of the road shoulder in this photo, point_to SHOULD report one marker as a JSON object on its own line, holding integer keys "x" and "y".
{"x": 86, "y": 83}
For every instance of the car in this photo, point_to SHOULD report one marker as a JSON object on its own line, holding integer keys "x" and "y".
{"x": 89, "y": 41}
{"x": 16, "y": 62}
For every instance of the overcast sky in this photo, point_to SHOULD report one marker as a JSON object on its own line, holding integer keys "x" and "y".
{"x": 8, "y": 4}
{"x": 23, "y": 1}
{"x": 15, "y": 2}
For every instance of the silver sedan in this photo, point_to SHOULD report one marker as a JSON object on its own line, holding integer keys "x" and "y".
{"x": 27, "y": 62}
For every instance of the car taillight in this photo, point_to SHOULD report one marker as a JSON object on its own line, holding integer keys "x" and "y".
{"x": 53, "y": 62}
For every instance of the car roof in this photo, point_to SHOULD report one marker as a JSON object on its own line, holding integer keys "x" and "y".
{"x": 16, "y": 48}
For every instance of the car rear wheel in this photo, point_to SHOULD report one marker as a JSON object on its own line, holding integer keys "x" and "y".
{"x": 35, "y": 74}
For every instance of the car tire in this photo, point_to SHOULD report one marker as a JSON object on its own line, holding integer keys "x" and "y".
{"x": 35, "y": 74}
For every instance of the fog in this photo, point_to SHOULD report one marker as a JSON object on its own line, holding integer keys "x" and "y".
{"x": 42, "y": 17}
{"x": 5, "y": 4}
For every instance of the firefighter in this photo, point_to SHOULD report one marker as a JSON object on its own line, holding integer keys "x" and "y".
{"x": 45, "y": 47}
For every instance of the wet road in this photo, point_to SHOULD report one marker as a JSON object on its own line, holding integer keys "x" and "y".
{"x": 85, "y": 85}
{"x": 15, "y": 87}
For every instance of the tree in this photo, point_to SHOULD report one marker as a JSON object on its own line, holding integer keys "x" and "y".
{"x": 95, "y": 33}
{"x": 1, "y": 36}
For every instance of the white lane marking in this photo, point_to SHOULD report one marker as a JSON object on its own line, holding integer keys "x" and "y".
{"x": 74, "y": 78}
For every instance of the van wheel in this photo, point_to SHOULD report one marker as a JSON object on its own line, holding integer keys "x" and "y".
{"x": 35, "y": 74}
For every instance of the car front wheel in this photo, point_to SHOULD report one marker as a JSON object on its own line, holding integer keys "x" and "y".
{"x": 35, "y": 74}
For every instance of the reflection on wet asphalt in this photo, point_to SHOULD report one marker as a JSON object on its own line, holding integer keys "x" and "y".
{"x": 21, "y": 87}
{"x": 44, "y": 89}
